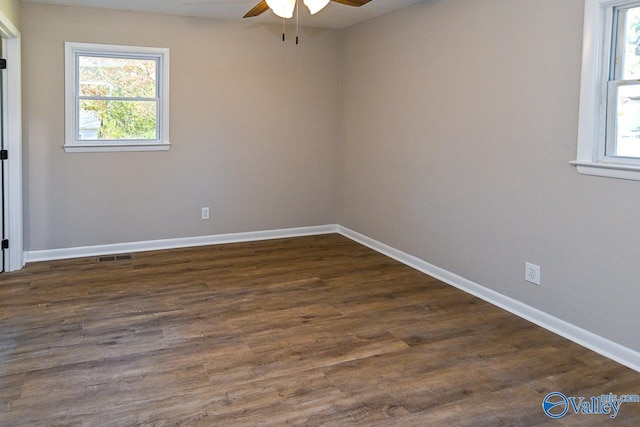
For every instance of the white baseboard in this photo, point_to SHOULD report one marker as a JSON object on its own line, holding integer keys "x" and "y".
{"x": 603, "y": 346}
{"x": 184, "y": 242}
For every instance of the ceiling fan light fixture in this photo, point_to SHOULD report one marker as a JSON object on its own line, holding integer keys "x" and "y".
{"x": 282, "y": 8}
{"x": 316, "y": 6}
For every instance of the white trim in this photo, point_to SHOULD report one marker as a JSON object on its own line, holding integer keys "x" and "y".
{"x": 183, "y": 242}
{"x": 591, "y": 112}
{"x": 609, "y": 170}
{"x": 12, "y": 94}
{"x": 14, "y": 144}
{"x": 603, "y": 346}
{"x": 106, "y": 147}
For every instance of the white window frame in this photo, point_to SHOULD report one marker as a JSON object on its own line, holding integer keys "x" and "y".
{"x": 72, "y": 142}
{"x": 596, "y": 100}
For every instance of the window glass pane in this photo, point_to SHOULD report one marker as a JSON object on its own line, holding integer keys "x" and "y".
{"x": 628, "y": 122}
{"x": 110, "y": 120}
{"x": 118, "y": 77}
{"x": 630, "y": 60}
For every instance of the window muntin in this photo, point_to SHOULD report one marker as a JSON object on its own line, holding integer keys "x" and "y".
{"x": 116, "y": 98}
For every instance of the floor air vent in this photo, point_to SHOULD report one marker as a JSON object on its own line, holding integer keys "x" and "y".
{"x": 115, "y": 258}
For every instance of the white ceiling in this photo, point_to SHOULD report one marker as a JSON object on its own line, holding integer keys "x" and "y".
{"x": 335, "y": 15}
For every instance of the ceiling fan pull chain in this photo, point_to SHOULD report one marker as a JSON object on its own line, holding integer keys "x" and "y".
{"x": 297, "y": 19}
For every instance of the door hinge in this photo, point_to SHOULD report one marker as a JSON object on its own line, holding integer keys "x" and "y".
{"x": 3, "y": 64}
{"x": 4, "y": 154}
{"x": 5, "y": 244}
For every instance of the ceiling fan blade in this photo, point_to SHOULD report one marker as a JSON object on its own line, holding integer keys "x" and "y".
{"x": 356, "y": 3}
{"x": 262, "y": 7}
{"x": 259, "y": 9}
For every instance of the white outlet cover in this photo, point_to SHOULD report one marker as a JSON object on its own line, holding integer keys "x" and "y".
{"x": 532, "y": 273}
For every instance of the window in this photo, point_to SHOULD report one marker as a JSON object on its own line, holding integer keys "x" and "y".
{"x": 116, "y": 98}
{"x": 609, "y": 126}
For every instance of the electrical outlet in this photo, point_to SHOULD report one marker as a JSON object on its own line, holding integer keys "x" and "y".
{"x": 205, "y": 213}
{"x": 532, "y": 273}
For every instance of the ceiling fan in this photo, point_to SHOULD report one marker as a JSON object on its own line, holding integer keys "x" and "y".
{"x": 285, "y": 8}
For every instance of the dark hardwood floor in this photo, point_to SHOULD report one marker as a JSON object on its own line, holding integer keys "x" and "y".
{"x": 306, "y": 331}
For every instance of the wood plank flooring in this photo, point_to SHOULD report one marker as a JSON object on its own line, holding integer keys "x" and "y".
{"x": 306, "y": 331}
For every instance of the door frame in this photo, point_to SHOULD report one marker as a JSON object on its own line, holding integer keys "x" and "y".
{"x": 12, "y": 132}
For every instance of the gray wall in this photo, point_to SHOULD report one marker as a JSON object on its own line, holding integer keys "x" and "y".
{"x": 254, "y": 128}
{"x": 459, "y": 120}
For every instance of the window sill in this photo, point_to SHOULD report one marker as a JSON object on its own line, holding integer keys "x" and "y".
{"x": 608, "y": 170}
{"x": 101, "y": 148}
